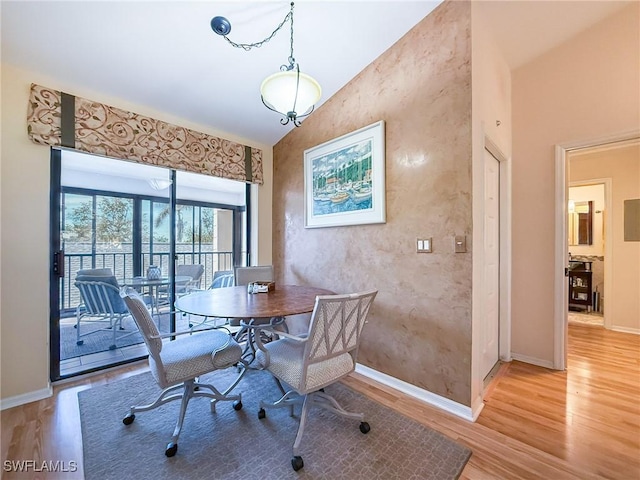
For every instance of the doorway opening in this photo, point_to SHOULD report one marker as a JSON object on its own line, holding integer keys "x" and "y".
{"x": 587, "y": 217}
{"x": 621, "y": 261}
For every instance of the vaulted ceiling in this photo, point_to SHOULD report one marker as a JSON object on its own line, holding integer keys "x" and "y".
{"x": 163, "y": 54}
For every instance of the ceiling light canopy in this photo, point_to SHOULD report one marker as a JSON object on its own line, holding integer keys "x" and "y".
{"x": 159, "y": 183}
{"x": 289, "y": 92}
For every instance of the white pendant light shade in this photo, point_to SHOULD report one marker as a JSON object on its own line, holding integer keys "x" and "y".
{"x": 290, "y": 93}
{"x": 279, "y": 92}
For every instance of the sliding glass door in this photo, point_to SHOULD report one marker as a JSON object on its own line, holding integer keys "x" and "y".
{"x": 131, "y": 222}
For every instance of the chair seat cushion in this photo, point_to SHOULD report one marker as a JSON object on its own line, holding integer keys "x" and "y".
{"x": 286, "y": 358}
{"x": 191, "y": 356}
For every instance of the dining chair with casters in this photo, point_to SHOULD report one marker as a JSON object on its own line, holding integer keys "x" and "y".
{"x": 100, "y": 303}
{"x": 317, "y": 359}
{"x": 177, "y": 365}
{"x": 246, "y": 275}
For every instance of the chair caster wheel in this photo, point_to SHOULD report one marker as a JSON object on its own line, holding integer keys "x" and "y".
{"x": 297, "y": 463}
{"x": 364, "y": 427}
{"x": 128, "y": 420}
{"x": 237, "y": 405}
{"x": 261, "y": 413}
{"x": 79, "y": 342}
{"x": 171, "y": 450}
{"x": 112, "y": 347}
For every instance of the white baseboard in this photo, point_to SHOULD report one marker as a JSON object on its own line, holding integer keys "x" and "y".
{"x": 426, "y": 396}
{"x": 532, "y": 360}
{"x": 26, "y": 398}
{"x": 635, "y": 331}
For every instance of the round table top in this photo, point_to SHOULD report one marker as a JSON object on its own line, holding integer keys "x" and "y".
{"x": 235, "y": 302}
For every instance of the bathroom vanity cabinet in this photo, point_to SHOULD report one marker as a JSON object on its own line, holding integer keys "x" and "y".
{"x": 580, "y": 285}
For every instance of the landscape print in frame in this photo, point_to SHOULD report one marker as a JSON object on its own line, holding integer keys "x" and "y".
{"x": 344, "y": 179}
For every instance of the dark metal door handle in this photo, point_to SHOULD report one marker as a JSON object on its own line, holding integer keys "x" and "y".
{"x": 58, "y": 263}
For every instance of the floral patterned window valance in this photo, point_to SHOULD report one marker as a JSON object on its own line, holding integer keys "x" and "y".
{"x": 59, "y": 119}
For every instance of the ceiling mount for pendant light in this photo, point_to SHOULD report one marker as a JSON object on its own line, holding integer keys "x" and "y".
{"x": 288, "y": 92}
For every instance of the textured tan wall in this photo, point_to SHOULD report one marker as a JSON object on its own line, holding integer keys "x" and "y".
{"x": 420, "y": 327}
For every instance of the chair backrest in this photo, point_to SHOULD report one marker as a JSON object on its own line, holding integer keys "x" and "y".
{"x": 335, "y": 326}
{"x": 145, "y": 323}
{"x": 95, "y": 272}
{"x": 194, "y": 271}
{"x": 100, "y": 294}
{"x": 246, "y": 275}
{"x": 222, "y": 279}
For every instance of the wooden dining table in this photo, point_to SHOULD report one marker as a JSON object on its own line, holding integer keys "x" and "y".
{"x": 235, "y": 302}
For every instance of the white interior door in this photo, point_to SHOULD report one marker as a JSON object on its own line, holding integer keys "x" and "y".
{"x": 491, "y": 325}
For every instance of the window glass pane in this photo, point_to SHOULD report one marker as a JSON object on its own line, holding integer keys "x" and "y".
{"x": 204, "y": 226}
{"x": 116, "y": 215}
{"x": 77, "y": 220}
{"x": 76, "y": 241}
{"x": 114, "y": 235}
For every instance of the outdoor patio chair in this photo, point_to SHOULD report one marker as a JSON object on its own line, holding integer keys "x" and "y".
{"x": 221, "y": 279}
{"x": 324, "y": 355}
{"x": 100, "y": 303}
{"x": 194, "y": 271}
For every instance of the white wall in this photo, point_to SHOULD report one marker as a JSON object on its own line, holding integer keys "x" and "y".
{"x": 24, "y": 254}
{"x": 587, "y": 88}
{"x": 491, "y": 118}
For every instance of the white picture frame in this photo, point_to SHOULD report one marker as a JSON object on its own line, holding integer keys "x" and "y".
{"x": 344, "y": 179}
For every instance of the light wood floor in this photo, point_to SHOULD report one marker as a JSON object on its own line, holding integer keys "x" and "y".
{"x": 537, "y": 423}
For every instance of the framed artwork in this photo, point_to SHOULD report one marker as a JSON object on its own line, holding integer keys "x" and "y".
{"x": 344, "y": 179}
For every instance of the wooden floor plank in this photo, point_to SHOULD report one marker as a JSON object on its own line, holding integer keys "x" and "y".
{"x": 537, "y": 423}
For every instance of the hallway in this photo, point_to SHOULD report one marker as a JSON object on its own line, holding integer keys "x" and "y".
{"x": 588, "y": 415}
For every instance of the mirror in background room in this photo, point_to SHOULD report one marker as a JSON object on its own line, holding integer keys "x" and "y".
{"x": 580, "y": 226}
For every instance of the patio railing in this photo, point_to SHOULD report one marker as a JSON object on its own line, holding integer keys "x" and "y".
{"x": 121, "y": 263}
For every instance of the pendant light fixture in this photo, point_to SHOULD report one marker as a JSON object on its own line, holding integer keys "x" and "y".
{"x": 289, "y": 92}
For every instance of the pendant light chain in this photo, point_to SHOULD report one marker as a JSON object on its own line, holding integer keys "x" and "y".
{"x": 292, "y": 60}
{"x": 249, "y": 46}
{"x": 284, "y": 92}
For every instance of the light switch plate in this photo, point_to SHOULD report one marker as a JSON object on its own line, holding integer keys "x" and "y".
{"x": 460, "y": 244}
{"x": 423, "y": 245}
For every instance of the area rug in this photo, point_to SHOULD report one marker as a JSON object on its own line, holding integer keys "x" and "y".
{"x": 231, "y": 444}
